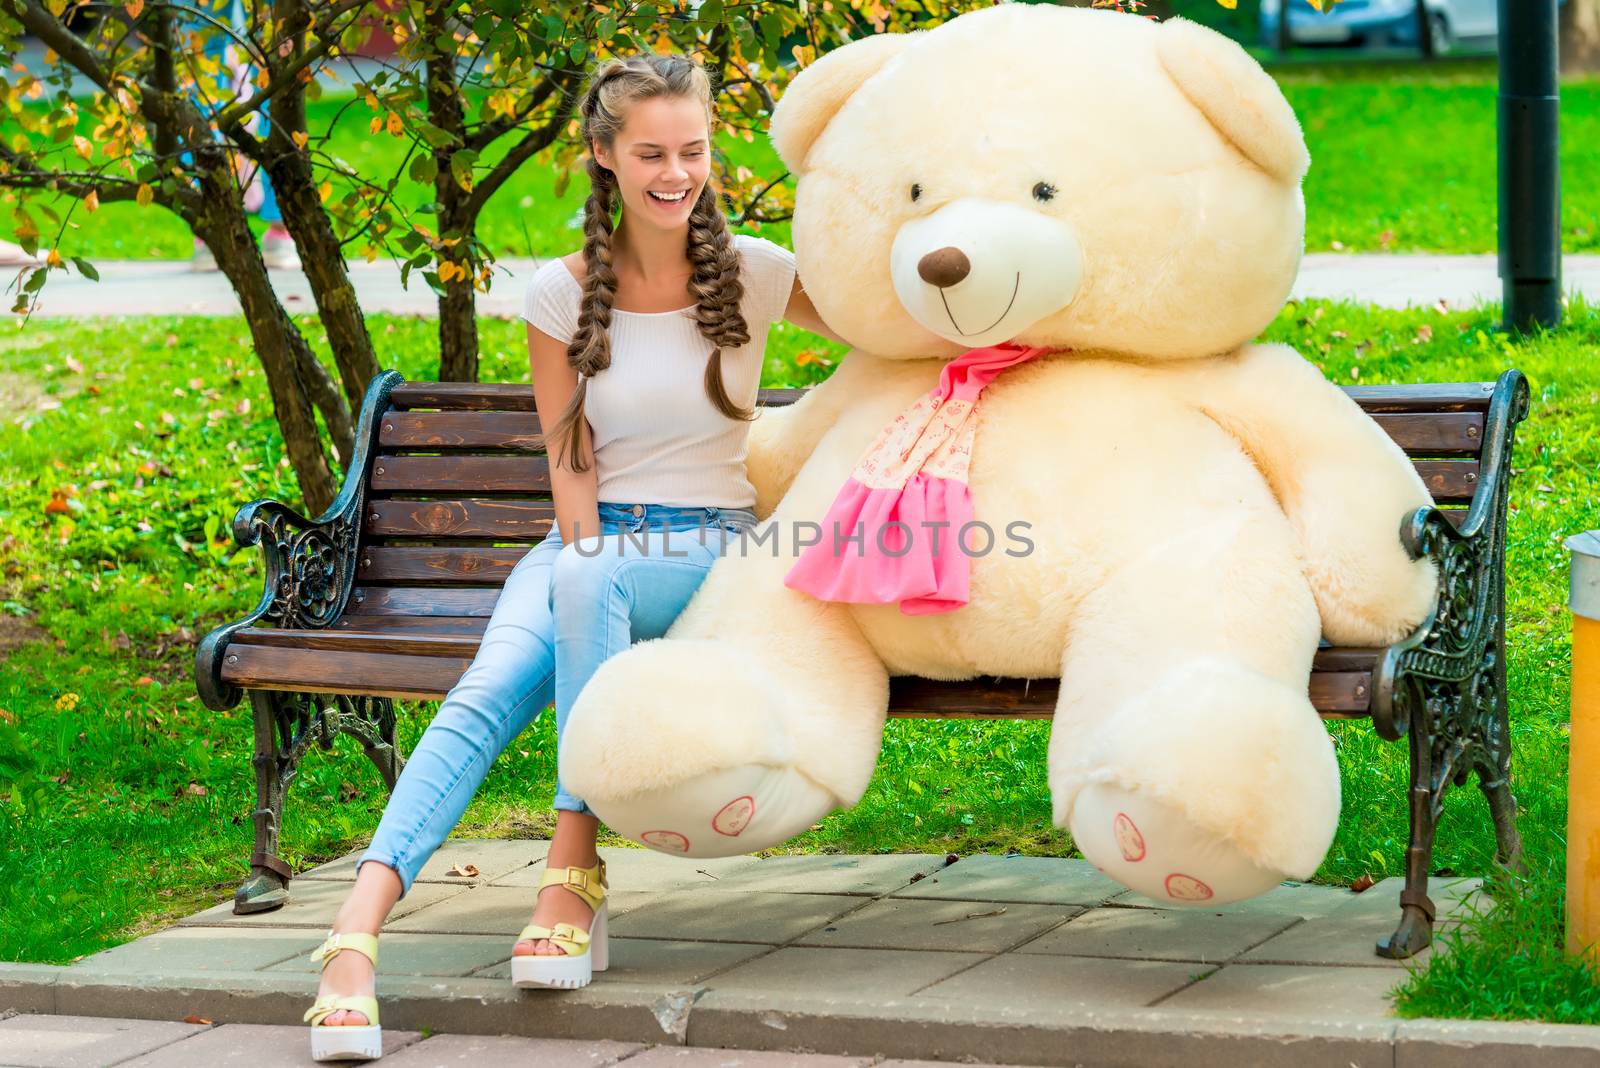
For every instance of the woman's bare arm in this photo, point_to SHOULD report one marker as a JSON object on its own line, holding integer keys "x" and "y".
{"x": 576, "y": 493}
{"x": 802, "y": 313}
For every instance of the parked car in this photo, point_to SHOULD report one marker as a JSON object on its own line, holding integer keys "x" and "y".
{"x": 1380, "y": 22}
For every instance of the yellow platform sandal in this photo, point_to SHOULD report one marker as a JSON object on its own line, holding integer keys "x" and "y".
{"x": 345, "y": 1043}
{"x": 583, "y": 952}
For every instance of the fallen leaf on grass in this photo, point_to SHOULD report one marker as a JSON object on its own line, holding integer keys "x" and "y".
{"x": 194, "y": 789}
{"x": 1366, "y": 882}
{"x": 463, "y": 871}
{"x": 197, "y": 1020}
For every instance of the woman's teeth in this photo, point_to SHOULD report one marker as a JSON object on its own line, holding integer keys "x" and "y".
{"x": 669, "y": 198}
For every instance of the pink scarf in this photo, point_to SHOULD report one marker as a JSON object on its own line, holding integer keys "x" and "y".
{"x": 915, "y": 473}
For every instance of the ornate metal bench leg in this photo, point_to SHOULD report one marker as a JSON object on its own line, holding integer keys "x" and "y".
{"x": 268, "y": 885}
{"x": 372, "y": 721}
{"x": 1415, "y": 930}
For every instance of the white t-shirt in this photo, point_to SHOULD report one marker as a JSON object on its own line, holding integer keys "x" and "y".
{"x": 657, "y": 437}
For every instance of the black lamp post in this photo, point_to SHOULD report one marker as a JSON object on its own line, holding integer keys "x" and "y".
{"x": 1530, "y": 174}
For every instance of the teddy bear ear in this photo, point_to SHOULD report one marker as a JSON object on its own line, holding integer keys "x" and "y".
{"x": 819, "y": 91}
{"x": 1239, "y": 98}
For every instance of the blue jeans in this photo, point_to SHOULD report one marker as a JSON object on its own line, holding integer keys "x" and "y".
{"x": 564, "y": 610}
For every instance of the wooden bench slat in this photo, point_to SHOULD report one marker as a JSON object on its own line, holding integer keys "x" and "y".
{"x": 515, "y": 431}
{"x": 528, "y": 473}
{"x": 1434, "y": 433}
{"x": 422, "y": 601}
{"x": 504, "y": 520}
{"x": 1419, "y": 433}
{"x": 518, "y": 397}
{"x": 1449, "y": 480}
{"x": 265, "y": 667}
{"x": 440, "y": 564}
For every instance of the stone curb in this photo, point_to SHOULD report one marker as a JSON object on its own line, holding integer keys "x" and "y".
{"x": 905, "y": 1028}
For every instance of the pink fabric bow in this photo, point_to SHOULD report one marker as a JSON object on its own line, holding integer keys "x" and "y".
{"x": 915, "y": 473}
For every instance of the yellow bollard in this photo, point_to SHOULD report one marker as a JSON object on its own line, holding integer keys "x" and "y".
{"x": 1583, "y": 769}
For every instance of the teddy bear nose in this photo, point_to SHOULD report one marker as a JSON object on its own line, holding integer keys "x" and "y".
{"x": 944, "y": 267}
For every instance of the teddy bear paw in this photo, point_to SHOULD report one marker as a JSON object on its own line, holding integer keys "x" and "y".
{"x": 721, "y": 813}
{"x": 1150, "y": 846}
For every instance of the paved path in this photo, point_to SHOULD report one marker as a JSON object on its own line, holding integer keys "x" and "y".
{"x": 1016, "y": 960}
{"x": 168, "y": 287}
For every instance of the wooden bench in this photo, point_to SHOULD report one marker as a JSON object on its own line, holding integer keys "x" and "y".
{"x": 385, "y": 597}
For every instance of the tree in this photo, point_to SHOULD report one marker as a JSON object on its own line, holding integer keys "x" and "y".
{"x": 1580, "y": 36}
{"x": 477, "y": 90}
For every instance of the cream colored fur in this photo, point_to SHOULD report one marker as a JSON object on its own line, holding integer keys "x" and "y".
{"x": 1201, "y": 508}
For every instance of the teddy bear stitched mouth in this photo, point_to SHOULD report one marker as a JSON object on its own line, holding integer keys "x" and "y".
{"x": 1016, "y": 287}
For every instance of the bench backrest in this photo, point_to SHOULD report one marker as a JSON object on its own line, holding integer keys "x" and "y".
{"x": 460, "y": 486}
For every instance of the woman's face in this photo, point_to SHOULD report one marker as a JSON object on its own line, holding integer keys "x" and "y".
{"x": 661, "y": 159}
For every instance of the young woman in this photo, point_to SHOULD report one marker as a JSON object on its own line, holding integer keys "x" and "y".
{"x": 649, "y": 343}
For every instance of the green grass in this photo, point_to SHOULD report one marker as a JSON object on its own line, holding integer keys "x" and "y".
{"x": 1403, "y": 159}
{"x": 132, "y": 804}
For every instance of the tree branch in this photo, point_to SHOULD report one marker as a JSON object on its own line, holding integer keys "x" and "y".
{"x": 533, "y": 142}
{"x": 487, "y": 133}
{"x": 285, "y": 76}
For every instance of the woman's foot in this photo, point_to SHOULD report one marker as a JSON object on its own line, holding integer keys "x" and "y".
{"x": 348, "y": 974}
{"x": 556, "y": 904}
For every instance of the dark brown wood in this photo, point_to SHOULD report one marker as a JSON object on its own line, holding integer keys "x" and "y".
{"x": 422, "y": 601}
{"x": 471, "y": 396}
{"x": 517, "y": 431}
{"x": 1449, "y": 479}
{"x": 1434, "y": 433}
{"x": 472, "y": 626}
{"x": 461, "y": 474}
{"x": 266, "y": 667}
{"x": 438, "y": 564}
{"x": 506, "y": 520}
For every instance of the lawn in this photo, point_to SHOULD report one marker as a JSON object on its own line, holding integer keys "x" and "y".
{"x": 126, "y": 802}
{"x": 1403, "y": 159}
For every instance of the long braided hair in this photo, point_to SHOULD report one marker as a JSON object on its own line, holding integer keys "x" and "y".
{"x": 715, "y": 284}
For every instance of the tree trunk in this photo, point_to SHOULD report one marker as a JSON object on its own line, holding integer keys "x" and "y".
{"x": 283, "y": 353}
{"x": 321, "y": 256}
{"x": 1284, "y": 41}
{"x": 1580, "y": 36}
{"x": 458, "y": 308}
{"x": 322, "y": 259}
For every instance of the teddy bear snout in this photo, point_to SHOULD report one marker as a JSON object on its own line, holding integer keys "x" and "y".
{"x": 944, "y": 267}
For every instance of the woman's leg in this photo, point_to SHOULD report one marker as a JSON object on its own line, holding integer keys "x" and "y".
{"x": 510, "y": 681}
{"x": 607, "y": 594}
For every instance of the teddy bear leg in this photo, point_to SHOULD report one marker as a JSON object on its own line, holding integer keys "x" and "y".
{"x": 758, "y": 713}
{"x": 1186, "y": 757}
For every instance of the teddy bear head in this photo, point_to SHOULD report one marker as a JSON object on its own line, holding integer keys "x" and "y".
{"x": 1066, "y": 177}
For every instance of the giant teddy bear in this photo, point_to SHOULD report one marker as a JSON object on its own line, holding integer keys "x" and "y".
{"x": 1200, "y": 508}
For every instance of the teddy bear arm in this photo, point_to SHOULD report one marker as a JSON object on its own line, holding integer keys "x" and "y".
{"x": 782, "y": 439}
{"x": 1345, "y": 486}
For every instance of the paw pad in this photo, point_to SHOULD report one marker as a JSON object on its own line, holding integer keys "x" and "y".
{"x": 1186, "y": 888}
{"x": 1129, "y": 840}
{"x": 671, "y": 840}
{"x": 735, "y": 816}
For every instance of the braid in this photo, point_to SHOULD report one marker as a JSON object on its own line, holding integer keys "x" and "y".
{"x": 717, "y": 290}
{"x": 590, "y": 349}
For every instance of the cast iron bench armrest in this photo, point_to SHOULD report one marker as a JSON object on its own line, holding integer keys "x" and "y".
{"x": 310, "y": 563}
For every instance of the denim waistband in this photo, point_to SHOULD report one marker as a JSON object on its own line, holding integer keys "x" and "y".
{"x": 653, "y": 514}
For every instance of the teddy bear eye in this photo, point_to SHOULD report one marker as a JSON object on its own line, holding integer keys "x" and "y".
{"x": 916, "y": 192}
{"x": 1044, "y": 191}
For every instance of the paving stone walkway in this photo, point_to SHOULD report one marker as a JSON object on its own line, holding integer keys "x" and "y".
{"x": 168, "y": 287}
{"x": 1016, "y": 960}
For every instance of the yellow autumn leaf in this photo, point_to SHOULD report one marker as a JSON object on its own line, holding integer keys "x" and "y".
{"x": 263, "y": 79}
{"x": 83, "y": 146}
{"x": 53, "y": 259}
{"x": 145, "y": 195}
{"x": 300, "y": 137}
{"x": 67, "y": 702}
{"x": 394, "y": 124}
{"x": 1229, "y": 4}
{"x": 325, "y": 191}
{"x": 134, "y": 7}
{"x": 376, "y": 125}
{"x": 91, "y": 203}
